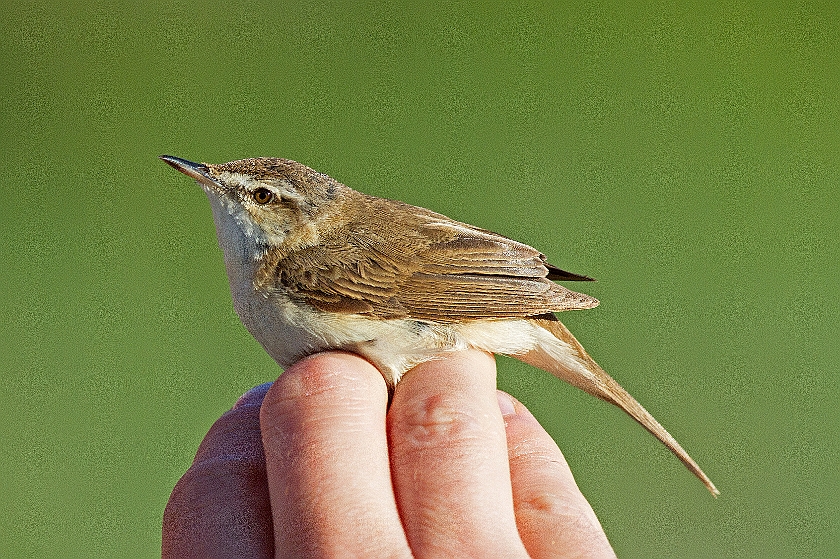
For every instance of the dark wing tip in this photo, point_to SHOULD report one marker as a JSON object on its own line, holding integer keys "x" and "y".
{"x": 556, "y": 274}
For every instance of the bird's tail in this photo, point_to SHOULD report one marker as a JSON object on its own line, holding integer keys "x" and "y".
{"x": 578, "y": 369}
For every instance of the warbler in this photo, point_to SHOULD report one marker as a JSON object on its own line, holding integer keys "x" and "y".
{"x": 315, "y": 265}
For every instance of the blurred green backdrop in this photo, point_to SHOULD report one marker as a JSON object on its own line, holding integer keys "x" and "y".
{"x": 686, "y": 156}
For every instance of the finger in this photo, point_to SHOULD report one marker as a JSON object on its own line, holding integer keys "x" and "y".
{"x": 220, "y": 507}
{"x": 553, "y": 516}
{"x": 449, "y": 460}
{"x": 323, "y": 426}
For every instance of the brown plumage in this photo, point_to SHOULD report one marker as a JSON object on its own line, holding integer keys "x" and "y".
{"x": 393, "y": 260}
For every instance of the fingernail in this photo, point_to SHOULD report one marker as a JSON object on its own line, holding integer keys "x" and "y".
{"x": 254, "y": 396}
{"x": 505, "y": 403}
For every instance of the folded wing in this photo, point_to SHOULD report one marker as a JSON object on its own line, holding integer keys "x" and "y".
{"x": 411, "y": 262}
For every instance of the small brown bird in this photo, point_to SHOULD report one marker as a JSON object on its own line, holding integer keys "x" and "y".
{"x": 314, "y": 265}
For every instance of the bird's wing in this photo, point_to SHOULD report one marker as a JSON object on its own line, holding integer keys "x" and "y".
{"x": 410, "y": 262}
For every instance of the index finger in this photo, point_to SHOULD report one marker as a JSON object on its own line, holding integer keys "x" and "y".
{"x": 326, "y": 453}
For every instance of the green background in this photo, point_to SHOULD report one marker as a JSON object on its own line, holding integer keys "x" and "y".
{"x": 686, "y": 156}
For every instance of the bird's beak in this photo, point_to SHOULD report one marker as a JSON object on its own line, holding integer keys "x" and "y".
{"x": 198, "y": 171}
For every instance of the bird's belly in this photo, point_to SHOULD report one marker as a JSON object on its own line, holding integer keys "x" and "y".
{"x": 291, "y": 329}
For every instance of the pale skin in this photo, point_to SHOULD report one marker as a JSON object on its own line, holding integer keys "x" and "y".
{"x": 318, "y": 465}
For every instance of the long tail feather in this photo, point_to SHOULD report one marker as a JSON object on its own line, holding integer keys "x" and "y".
{"x": 581, "y": 371}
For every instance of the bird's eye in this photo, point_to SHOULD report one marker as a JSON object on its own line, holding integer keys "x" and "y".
{"x": 263, "y": 196}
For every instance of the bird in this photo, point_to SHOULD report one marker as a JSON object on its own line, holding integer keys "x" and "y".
{"x": 314, "y": 265}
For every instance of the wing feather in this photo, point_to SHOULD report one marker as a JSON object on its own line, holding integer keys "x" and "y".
{"x": 411, "y": 262}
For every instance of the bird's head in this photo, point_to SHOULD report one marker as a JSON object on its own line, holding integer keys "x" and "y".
{"x": 272, "y": 201}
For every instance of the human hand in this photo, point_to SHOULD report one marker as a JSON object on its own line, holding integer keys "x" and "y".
{"x": 313, "y": 466}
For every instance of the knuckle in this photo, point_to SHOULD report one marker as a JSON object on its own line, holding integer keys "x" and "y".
{"x": 436, "y": 421}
